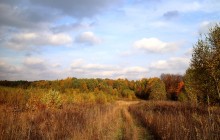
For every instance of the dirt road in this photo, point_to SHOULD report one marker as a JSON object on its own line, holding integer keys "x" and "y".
{"x": 131, "y": 127}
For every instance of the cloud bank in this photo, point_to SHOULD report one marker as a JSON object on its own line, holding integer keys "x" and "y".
{"x": 154, "y": 45}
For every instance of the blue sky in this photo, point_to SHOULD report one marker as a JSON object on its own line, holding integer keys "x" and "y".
{"x": 47, "y": 40}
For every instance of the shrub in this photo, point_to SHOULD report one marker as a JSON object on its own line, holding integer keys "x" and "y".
{"x": 127, "y": 93}
{"x": 52, "y": 99}
{"x": 101, "y": 98}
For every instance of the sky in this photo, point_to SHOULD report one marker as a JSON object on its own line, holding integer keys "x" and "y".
{"x": 133, "y": 39}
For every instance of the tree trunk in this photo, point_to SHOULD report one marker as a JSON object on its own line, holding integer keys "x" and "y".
{"x": 217, "y": 87}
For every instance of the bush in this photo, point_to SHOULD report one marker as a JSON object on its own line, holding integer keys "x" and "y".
{"x": 157, "y": 89}
{"x": 52, "y": 99}
{"x": 101, "y": 98}
{"x": 127, "y": 93}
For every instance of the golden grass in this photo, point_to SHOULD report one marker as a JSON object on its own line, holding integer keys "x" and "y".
{"x": 48, "y": 114}
{"x": 174, "y": 121}
{"x": 76, "y": 121}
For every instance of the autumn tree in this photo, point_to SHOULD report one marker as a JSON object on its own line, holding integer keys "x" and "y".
{"x": 157, "y": 89}
{"x": 204, "y": 70}
{"x": 173, "y": 84}
{"x": 141, "y": 89}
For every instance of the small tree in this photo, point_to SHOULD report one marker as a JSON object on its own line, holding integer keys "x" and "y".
{"x": 157, "y": 89}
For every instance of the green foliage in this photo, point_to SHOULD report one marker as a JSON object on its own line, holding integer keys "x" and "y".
{"x": 127, "y": 93}
{"x": 42, "y": 94}
{"x": 204, "y": 72}
{"x": 157, "y": 89}
{"x": 190, "y": 85}
{"x": 52, "y": 99}
{"x": 182, "y": 97}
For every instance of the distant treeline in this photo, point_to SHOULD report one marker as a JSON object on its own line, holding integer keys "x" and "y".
{"x": 20, "y": 83}
{"x": 169, "y": 86}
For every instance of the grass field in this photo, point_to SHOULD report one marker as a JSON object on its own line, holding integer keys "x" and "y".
{"x": 48, "y": 114}
{"x": 174, "y": 120}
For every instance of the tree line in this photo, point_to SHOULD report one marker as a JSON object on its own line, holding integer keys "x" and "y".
{"x": 167, "y": 87}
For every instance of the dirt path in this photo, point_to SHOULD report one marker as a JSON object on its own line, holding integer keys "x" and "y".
{"x": 131, "y": 128}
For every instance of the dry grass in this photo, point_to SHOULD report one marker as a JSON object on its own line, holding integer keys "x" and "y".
{"x": 77, "y": 121}
{"x": 48, "y": 114}
{"x": 129, "y": 131}
{"x": 174, "y": 121}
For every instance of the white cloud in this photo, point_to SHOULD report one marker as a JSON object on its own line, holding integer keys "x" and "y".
{"x": 80, "y": 64}
{"x": 59, "y": 39}
{"x": 90, "y": 70}
{"x": 33, "y": 68}
{"x": 160, "y": 65}
{"x": 88, "y": 38}
{"x": 7, "y": 68}
{"x": 172, "y": 65}
{"x": 189, "y": 52}
{"x": 205, "y": 26}
{"x": 97, "y": 67}
{"x": 21, "y": 41}
{"x": 154, "y": 45}
{"x": 33, "y": 60}
{"x": 8, "y": 71}
{"x": 135, "y": 69}
{"x": 35, "y": 63}
{"x": 77, "y": 63}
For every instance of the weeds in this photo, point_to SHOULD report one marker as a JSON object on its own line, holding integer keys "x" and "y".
{"x": 76, "y": 121}
{"x": 173, "y": 120}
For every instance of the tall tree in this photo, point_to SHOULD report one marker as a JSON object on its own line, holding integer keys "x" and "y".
{"x": 204, "y": 69}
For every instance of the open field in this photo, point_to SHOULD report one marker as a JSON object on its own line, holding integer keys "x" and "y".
{"x": 76, "y": 121}
{"x": 47, "y": 114}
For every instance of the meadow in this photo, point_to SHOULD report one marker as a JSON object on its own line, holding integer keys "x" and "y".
{"x": 48, "y": 114}
{"x": 39, "y": 113}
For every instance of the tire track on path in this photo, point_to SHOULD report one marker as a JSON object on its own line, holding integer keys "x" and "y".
{"x": 131, "y": 127}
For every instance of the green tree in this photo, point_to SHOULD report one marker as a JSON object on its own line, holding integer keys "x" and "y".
{"x": 157, "y": 89}
{"x": 204, "y": 71}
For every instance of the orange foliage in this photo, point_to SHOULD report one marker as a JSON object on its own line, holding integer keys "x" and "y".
{"x": 180, "y": 87}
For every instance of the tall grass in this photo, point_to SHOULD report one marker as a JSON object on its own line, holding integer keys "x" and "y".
{"x": 76, "y": 121}
{"x": 48, "y": 114}
{"x": 174, "y": 121}
{"x": 36, "y": 113}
